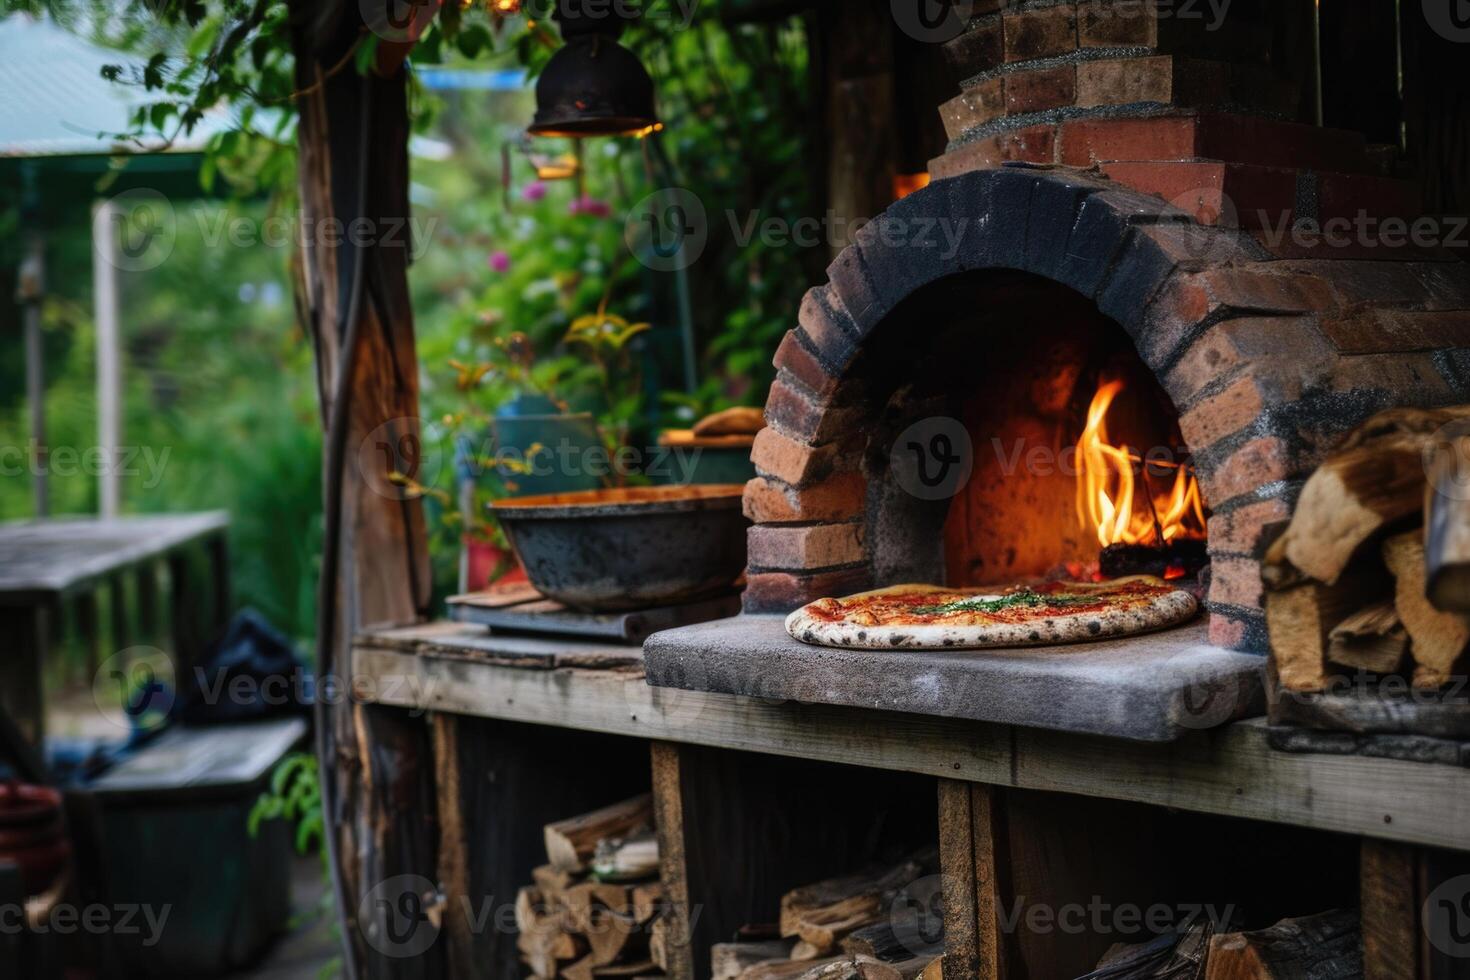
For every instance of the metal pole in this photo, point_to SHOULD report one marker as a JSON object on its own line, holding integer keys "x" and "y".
{"x": 29, "y": 292}
{"x": 109, "y": 354}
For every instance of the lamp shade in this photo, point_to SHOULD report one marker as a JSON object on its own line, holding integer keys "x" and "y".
{"x": 594, "y": 86}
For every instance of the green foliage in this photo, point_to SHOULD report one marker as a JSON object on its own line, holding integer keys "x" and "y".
{"x": 295, "y": 795}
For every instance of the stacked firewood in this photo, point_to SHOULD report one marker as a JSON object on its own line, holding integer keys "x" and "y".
{"x": 1326, "y": 946}
{"x": 592, "y": 908}
{"x": 880, "y": 924}
{"x": 1373, "y": 572}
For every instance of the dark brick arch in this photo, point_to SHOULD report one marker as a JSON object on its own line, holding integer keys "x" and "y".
{"x": 1267, "y": 360}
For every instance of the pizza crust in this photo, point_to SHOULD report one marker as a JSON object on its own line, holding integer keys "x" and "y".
{"x": 1170, "y": 609}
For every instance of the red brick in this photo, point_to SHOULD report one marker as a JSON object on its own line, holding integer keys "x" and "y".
{"x": 793, "y": 463}
{"x": 803, "y": 365}
{"x": 1117, "y": 24}
{"x": 1035, "y": 91}
{"x": 1233, "y": 344}
{"x": 783, "y": 591}
{"x": 1086, "y": 142}
{"x": 1033, "y": 144}
{"x": 807, "y": 547}
{"x": 1243, "y": 289}
{"x": 1228, "y": 137}
{"x": 1258, "y": 463}
{"x": 1385, "y": 331}
{"x": 980, "y": 49}
{"x": 823, "y": 326}
{"x": 1043, "y": 33}
{"x": 1124, "y": 81}
{"x": 1236, "y": 582}
{"x": 1227, "y": 632}
{"x": 1238, "y": 532}
{"x": 805, "y": 416}
{"x": 1223, "y": 413}
{"x": 841, "y": 497}
{"x": 973, "y": 107}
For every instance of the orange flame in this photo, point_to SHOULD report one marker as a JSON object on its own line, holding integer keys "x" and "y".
{"x": 1109, "y": 501}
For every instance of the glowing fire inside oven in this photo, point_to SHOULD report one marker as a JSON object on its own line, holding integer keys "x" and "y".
{"x": 1116, "y": 497}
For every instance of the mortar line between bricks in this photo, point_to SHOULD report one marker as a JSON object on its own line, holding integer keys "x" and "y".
{"x": 805, "y": 572}
{"x": 1055, "y": 117}
{"x": 1275, "y": 490}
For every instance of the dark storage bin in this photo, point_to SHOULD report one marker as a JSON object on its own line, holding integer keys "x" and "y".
{"x": 175, "y": 837}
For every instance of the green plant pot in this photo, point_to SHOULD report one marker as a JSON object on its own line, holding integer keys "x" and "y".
{"x": 562, "y": 451}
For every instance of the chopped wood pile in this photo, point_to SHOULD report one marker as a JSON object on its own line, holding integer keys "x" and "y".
{"x": 594, "y": 905}
{"x": 1326, "y": 946}
{"x": 873, "y": 925}
{"x": 1373, "y": 572}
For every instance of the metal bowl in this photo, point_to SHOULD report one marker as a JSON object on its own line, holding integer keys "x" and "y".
{"x": 629, "y": 547}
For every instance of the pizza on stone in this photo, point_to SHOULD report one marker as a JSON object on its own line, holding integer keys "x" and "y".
{"x": 920, "y": 617}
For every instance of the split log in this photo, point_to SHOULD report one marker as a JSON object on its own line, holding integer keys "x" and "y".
{"x": 552, "y": 881}
{"x": 658, "y": 943}
{"x": 1373, "y": 639}
{"x": 614, "y": 936}
{"x": 732, "y": 422}
{"x": 1436, "y": 639}
{"x": 542, "y": 941}
{"x": 913, "y": 969}
{"x": 570, "y": 844}
{"x": 1300, "y": 620}
{"x": 1352, "y": 497}
{"x": 729, "y": 960}
{"x": 786, "y": 969}
{"x": 881, "y": 942}
{"x": 580, "y": 970}
{"x": 1169, "y": 957}
{"x": 1447, "y": 525}
{"x": 647, "y": 900}
{"x": 626, "y": 859}
{"x": 1373, "y": 480}
{"x": 934, "y": 971}
{"x": 823, "y": 913}
{"x": 1326, "y": 946}
{"x": 582, "y": 900}
{"x": 640, "y": 969}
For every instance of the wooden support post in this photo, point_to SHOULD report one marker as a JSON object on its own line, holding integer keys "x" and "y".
{"x": 218, "y": 550}
{"x": 1415, "y": 905}
{"x": 668, "y": 812}
{"x": 120, "y": 628}
{"x": 22, "y": 690}
{"x": 352, "y": 153}
{"x": 147, "y": 584}
{"x": 89, "y": 630}
{"x": 184, "y": 621}
{"x": 968, "y": 837}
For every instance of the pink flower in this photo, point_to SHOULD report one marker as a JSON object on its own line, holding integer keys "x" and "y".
{"x": 590, "y": 206}
{"x": 499, "y": 261}
{"x": 533, "y": 191}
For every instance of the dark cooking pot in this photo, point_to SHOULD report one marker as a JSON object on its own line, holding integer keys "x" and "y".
{"x": 629, "y": 547}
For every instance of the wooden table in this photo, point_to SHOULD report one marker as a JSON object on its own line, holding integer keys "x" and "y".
{"x": 45, "y": 564}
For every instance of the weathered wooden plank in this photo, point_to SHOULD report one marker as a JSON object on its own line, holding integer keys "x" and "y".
{"x": 1231, "y": 771}
{"x": 50, "y": 558}
{"x": 668, "y": 809}
{"x": 27, "y": 636}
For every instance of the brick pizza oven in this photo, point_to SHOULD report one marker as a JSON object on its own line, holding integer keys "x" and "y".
{"x": 1111, "y": 205}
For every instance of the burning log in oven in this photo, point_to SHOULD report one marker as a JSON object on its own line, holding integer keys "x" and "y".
{"x": 1146, "y": 510}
